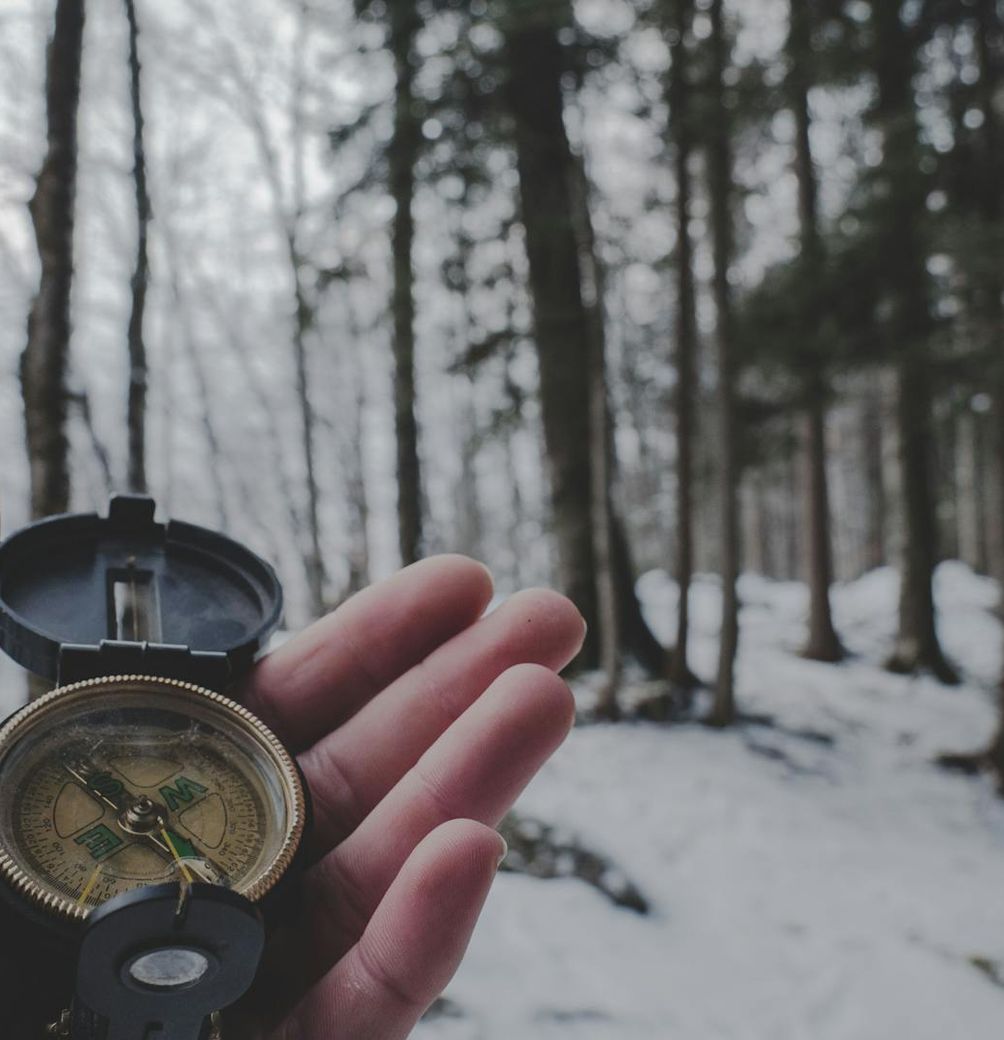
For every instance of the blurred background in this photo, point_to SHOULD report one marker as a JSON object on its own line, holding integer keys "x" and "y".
{"x": 690, "y": 308}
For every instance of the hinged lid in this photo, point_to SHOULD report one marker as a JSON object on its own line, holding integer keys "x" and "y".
{"x": 124, "y": 587}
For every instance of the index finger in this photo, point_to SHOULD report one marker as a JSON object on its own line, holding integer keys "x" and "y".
{"x": 323, "y": 676}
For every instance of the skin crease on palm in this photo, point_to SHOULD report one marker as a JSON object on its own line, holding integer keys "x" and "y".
{"x": 417, "y": 722}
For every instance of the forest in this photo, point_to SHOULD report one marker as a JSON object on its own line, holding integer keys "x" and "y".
{"x": 578, "y": 290}
{"x": 669, "y": 304}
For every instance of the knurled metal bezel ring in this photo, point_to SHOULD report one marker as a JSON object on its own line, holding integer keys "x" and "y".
{"x": 21, "y": 883}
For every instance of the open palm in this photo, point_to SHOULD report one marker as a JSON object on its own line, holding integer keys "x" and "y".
{"x": 416, "y": 722}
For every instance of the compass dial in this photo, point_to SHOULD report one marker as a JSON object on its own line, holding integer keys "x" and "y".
{"x": 115, "y": 783}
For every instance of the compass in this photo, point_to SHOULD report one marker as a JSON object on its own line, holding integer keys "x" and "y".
{"x": 130, "y": 781}
{"x": 149, "y": 824}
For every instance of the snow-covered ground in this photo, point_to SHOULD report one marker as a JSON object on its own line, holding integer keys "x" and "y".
{"x": 801, "y": 890}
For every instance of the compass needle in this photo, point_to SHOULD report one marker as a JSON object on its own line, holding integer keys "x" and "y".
{"x": 89, "y": 887}
{"x": 185, "y": 872}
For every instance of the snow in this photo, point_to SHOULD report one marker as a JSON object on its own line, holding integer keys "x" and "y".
{"x": 801, "y": 889}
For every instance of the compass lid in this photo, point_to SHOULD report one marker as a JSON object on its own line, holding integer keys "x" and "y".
{"x": 117, "y": 587}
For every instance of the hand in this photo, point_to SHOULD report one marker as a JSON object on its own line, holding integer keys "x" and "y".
{"x": 417, "y": 722}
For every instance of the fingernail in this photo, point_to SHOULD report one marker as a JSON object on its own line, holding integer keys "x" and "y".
{"x": 503, "y": 851}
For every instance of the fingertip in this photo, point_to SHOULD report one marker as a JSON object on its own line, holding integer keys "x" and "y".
{"x": 469, "y": 846}
{"x": 473, "y": 576}
{"x": 558, "y": 622}
{"x": 553, "y": 698}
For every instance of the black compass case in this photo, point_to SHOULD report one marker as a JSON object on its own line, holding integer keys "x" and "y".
{"x": 84, "y": 596}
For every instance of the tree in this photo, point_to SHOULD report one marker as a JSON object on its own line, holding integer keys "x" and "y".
{"x": 678, "y": 18}
{"x": 402, "y": 154}
{"x": 136, "y": 416}
{"x": 900, "y": 212}
{"x": 549, "y": 184}
{"x": 601, "y": 449}
{"x": 720, "y": 188}
{"x": 823, "y": 643}
{"x": 45, "y": 358}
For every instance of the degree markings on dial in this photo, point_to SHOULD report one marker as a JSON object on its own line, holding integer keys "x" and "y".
{"x": 90, "y": 885}
{"x": 88, "y": 871}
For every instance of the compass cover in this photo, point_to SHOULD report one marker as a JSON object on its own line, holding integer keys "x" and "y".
{"x": 81, "y": 579}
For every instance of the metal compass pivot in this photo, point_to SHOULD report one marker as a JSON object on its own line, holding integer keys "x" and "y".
{"x": 149, "y": 826}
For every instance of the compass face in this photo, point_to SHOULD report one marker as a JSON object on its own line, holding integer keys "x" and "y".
{"x": 116, "y": 783}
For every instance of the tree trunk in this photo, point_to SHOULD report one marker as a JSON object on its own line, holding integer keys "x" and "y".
{"x": 469, "y": 526}
{"x": 990, "y": 40}
{"x": 358, "y": 497}
{"x": 606, "y": 583}
{"x": 970, "y": 491}
{"x": 302, "y": 323}
{"x": 44, "y": 361}
{"x": 720, "y": 187}
{"x": 686, "y": 339}
{"x": 823, "y": 643}
{"x": 305, "y": 308}
{"x": 550, "y": 182}
{"x": 872, "y": 451}
{"x": 755, "y": 525}
{"x": 402, "y": 155}
{"x": 910, "y": 327}
{"x": 545, "y": 171}
{"x": 136, "y": 414}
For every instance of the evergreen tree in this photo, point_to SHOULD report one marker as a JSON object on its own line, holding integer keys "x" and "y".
{"x": 550, "y": 182}
{"x": 678, "y": 18}
{"x": 900, "y": 202}
{"x": 721, "y": 192}
{"x": 823, "y": 643}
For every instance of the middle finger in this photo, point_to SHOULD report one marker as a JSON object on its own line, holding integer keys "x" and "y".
{"x": 351, "y": 769}
{"x": 475, "y": 770}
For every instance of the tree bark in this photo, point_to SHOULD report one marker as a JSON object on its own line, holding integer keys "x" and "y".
{"x": 545, "y": 171}
{"x": 720, "y": 185}
{"x": 136, "y": 411}
{"x": 303, "y": 322}
{"x": 305, "y": 310}
{"x": 875, "y": 507}
{"x": 601, "y": 449}
{"x": 603, "y": 551}
{"x": 970, "y": 491}
{"x": 358, "y": 497}
{"x": 469, "y": 526}
{"x": 402, "y": 156}
{"x": 910, "y": 326}
{"x": 686, "y": 338}
{"x": 823, "y": 643}
{"x": 44, "y": 361}
{"x": 550, "y": 182}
